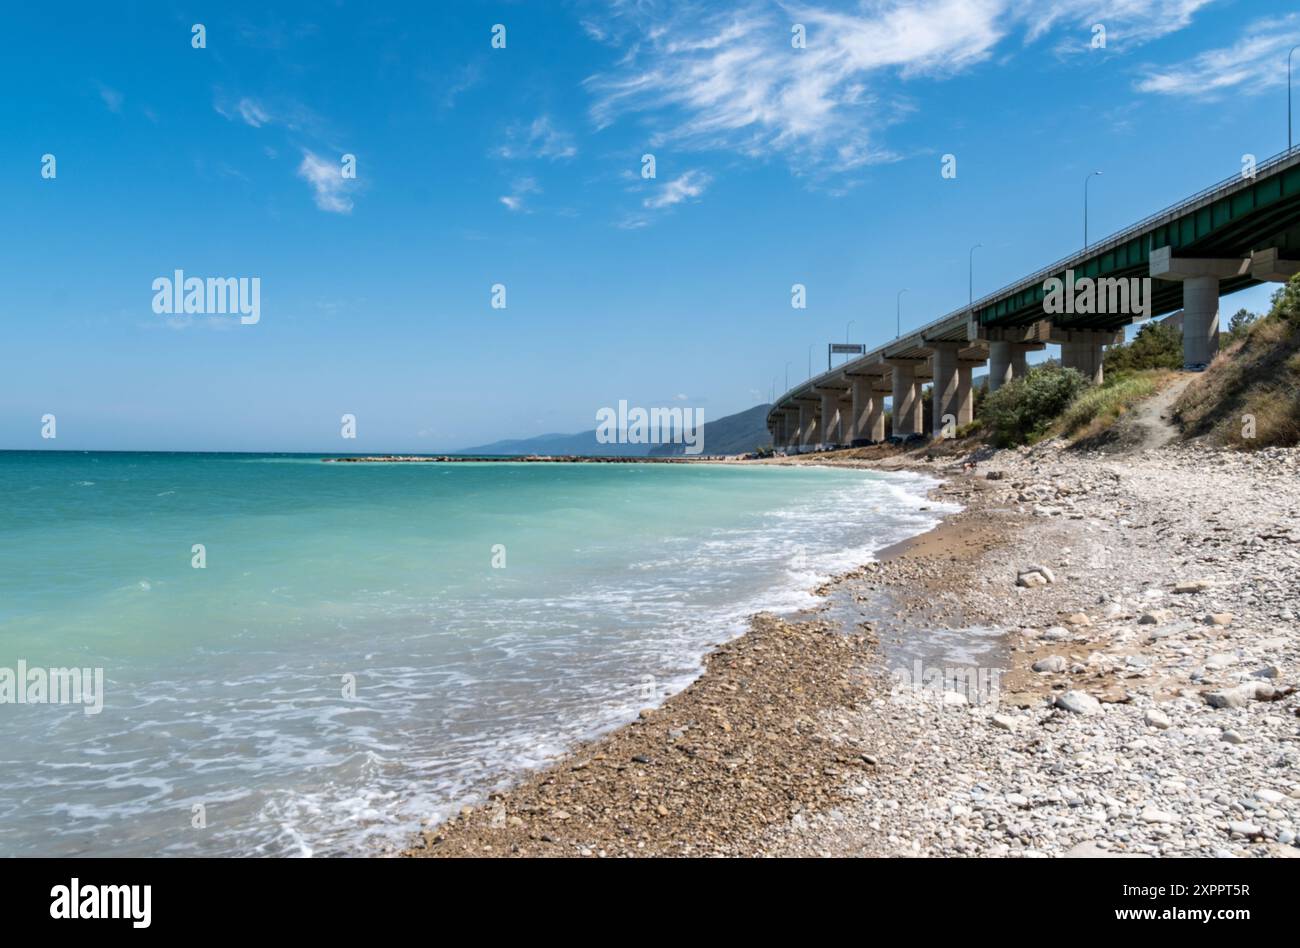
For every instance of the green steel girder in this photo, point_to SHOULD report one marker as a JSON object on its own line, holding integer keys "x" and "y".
{"x": 1262, "y": 214}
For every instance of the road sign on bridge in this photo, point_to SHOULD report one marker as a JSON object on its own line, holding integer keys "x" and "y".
{"x": 844, "y": 348}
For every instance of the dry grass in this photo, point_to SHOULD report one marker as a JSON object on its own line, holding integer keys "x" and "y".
{"x": 1249, "y": 397}
{"x": 1097, "y": 409}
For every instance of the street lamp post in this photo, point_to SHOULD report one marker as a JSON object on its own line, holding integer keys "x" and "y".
{"x": 898, "y": 314}
{"x": 1288, "y": 97}
{"x": 1085, "y": 207}
{"x": 810, "y": 349}
{"x": 971, "y": 271}
{"x": 846, "y": 330}
{"x": 787, "y": 376}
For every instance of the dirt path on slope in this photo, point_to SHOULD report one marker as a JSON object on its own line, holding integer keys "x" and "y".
{"x": 1151, "y": 423}
{"x": 1148, "y": 426}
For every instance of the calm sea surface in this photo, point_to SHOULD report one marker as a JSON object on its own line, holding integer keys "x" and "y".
{"x": 370, "y": 645}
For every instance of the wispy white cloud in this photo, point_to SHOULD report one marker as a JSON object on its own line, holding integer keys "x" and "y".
{"x": 689, "y": 185}
{"x": 709, "y": 80}
{"x": 537, "y": 139}
{"x": 282, "y": 112}
{"x": 660, "y": 198}
{"x": 1128, "y": 23}
{"x": 594, "y": 30}
{"x": 252, "y": 113}
{"x": 249, "y": 111}
{"x": 112, "y": 98}
{"x": 1249, "y": 66}
{"x": 733, "y": 80}
{"x": 522, "y": 186}
{"x": 466, "y": 79}
{"x": 327, "y": 182}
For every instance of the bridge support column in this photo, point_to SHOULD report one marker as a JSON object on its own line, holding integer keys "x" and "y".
{"x": 907, "y": 398}
{"x": 946, "y": 397}
{"x": 1086, "y": 357}
{"x": 792, "y": 427}
{"x": 807, "y": 424}
{"x": 965, "y": 396}
{"x": 1082, "y": 349}
{"x": 875, "y": 429}
{"x": 1019, "y": 360}
{"x": 867, "y": 420}
{"x": 1200, "y": 320}
{"x": 1000, "y": 371}
{"x": 1200, "y": 276}
{"x": 830, "y": 427}
{"x": 1007, "y": 362}
{"x": 1008, "y": 348}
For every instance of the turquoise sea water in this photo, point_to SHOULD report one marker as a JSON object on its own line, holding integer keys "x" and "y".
{"x": 225, "y": 686}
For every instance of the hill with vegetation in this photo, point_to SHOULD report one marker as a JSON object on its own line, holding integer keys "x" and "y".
{"x": 1249, "y": 397}
{"x": 732, "y": 434}
{"x": 740, "y": 433}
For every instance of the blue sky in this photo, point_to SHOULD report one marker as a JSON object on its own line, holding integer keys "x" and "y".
{"x": 522, "y": 166}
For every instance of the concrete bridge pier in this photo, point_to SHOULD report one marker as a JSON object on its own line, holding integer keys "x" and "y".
{"x": 807, "y": 424}
{"x": 1200, "y": 277}
{"x": 791, "y": 416}
{"x": 1200, "y": 320}
{"x": 1007, "y": 362}
{"x": 875, "y": 430}
{"x": 830, "y": 415}
{"x": 965, "y": 393}
{"x": 1083, "y": 349}
{"x": 846, "y": 416}
{"x": 867, "y": 417}
{"x": 1086, "y": 357}
{"x": 1008, "y": 348}
{"x": 1000, "y": 369}
{"x": 946, "y": 399}
{"x": 906, "y": 393}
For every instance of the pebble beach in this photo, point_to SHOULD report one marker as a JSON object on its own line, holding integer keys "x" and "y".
{"x": 1144, "y": 702}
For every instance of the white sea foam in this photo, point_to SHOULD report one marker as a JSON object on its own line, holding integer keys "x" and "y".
{"x": 463, "y": 679}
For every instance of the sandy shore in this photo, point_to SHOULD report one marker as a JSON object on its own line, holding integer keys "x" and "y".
{"x": 1106, "y": 710}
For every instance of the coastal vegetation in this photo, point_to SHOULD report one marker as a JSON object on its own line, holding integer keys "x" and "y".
{"x": 1155, "y": 346}
{"x": 1249, "y": 397}
{"x": 1023, "y": 410}
{"x": 1098, "y": 407}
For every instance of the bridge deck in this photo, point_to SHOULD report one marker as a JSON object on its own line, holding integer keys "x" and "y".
{"x": 1231, "y": 218}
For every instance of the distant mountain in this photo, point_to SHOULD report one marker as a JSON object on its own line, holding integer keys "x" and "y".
{"x": 733, "y": 434}
{"x": 583, "y": 444}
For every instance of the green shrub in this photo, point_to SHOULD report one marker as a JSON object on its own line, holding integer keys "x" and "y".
{"x": 1286, "y": 301}
{"x": 1156, "y": 346}
{"x": 1239, "y": 325}
{"x": 1021, "y": 411}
